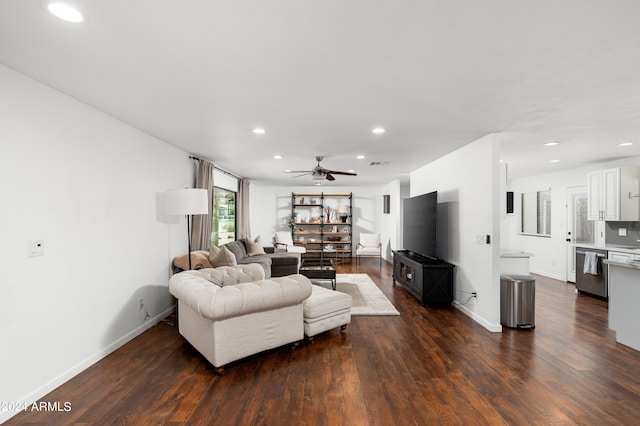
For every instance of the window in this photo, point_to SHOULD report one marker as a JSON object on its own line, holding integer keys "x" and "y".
{"x": 223, "y": 224}
{"x": 535, "y": 213}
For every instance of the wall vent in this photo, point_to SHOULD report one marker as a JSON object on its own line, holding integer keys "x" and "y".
{"x": 378, "y": 163}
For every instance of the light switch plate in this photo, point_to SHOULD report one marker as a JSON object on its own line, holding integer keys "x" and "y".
{"x": 36, "y": 248}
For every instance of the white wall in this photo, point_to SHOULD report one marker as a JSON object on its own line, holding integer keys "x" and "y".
{"x": 468, "y": 186}
{"x": 271, "y": 207}
{"x": 87, "y": 185}
{"x": 550, "y": 254}
{"x": 390, "y": 224}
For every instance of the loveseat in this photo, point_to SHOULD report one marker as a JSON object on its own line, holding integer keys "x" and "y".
{"x": 231, "y": 312}
{"x": 273, "y": 264}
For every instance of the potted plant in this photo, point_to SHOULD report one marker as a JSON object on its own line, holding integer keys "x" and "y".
{"x": 292, "y": 221}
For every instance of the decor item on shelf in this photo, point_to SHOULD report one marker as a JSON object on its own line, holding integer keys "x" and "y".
{"x": 302, "y": 200}
{"x": 187, "y": 202}
{"x": 301, "y": 229}
{"x": 327, "y": 211}
{"x": 343, "y": 210}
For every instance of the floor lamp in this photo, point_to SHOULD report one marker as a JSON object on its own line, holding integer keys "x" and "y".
{"x": 187, "y": 202}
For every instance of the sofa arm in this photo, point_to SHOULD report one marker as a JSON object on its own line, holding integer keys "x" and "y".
{"x": 216, "y": 303}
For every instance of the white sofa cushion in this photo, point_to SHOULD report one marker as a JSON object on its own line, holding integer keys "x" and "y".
{"x": 231, "y": 275}
{"x": 215, "y": 302}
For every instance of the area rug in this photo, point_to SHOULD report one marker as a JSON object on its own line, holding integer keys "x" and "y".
{"x": 368, "y": 299}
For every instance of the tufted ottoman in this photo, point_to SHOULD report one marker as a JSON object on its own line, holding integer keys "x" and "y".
{"x": 325, "y": 309}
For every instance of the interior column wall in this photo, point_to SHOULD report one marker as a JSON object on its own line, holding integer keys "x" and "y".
{"x": 468, "y": 186}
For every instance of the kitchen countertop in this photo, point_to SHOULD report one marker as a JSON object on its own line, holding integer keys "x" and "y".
{"x": 630, "y": 265}
{"x": 609, "y": 247}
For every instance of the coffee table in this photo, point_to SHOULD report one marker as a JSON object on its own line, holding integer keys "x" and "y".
{"x": 319, "y": 269}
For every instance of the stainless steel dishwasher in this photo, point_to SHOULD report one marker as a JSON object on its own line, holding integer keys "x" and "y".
{"x": 595, "y": 284}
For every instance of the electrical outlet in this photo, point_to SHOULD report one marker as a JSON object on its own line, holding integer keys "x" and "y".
{"x": 140, "y": 303}
{"x": 622, "y": 232}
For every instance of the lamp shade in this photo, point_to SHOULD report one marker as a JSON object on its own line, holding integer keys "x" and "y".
{"x": 187, "y": 201}
{"x": 343, "y": 208}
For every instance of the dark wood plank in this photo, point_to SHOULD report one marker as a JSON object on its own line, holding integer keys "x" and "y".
{"x": 426, "y": 366}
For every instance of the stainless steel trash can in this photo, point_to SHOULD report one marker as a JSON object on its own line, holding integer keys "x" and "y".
{"x": 518, "y": 301}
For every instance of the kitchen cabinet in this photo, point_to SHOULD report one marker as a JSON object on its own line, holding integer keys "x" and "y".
{"x": 613, "y": 194}
{"x": 624, "y": 293}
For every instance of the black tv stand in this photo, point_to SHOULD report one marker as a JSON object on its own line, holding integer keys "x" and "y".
{"x": 429, "y": 280}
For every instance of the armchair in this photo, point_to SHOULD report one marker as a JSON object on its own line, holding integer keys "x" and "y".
{"x": 284, "y": 242}
{"x": 369, "y": 246}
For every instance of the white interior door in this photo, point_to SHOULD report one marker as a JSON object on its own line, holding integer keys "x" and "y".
{"x": 580, "y": 230}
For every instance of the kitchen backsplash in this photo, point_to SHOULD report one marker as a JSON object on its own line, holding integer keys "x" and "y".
{"x": 612, "y": 234}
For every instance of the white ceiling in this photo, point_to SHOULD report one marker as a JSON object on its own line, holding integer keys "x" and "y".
{"x": 319, "y": 75}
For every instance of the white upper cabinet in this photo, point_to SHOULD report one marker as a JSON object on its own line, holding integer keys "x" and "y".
{"x": 613, "y": 194}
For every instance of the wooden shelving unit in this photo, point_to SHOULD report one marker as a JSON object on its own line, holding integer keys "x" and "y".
{"x": 323, "y": 224}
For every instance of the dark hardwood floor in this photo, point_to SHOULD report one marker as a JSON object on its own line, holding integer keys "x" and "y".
{"x": 426, "y": 366}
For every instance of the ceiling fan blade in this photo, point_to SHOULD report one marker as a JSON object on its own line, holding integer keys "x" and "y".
{"x": 303, "y": 174}
{"x": 329, "y": 177}
{"x": 296, "y": 171}
{"x": 341, "y": 173}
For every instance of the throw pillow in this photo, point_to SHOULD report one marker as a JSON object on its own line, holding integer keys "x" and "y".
{"x": 254, "y": 247}
{"x": 224, "y": 258}
{"x": 213, "y": 250}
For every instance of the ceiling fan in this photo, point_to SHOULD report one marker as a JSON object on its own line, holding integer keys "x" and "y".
{"x": 319, "y": 172}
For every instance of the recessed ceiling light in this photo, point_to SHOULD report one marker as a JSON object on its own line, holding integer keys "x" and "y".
{"x": 551, "y": 143}
{"x": 378, "y": 130}
{"x": 277, "y": 157}
{"x": 360, "y": 157}
{"x": 65, "y": 12}
{"x": 351, "y": 171}
{"x": 259, "y": 131}
{"x": 625, "y": 144}
{"x": 554, "y": 161}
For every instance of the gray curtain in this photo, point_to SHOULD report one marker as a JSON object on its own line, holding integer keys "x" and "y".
{"x": 201, "y": 231}
{"x": 243, "y": 210}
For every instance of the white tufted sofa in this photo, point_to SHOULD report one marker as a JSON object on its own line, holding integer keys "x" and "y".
{"x": 231, "y": 312}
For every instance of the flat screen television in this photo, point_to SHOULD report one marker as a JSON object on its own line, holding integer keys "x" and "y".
{"x": 419, "y": 222}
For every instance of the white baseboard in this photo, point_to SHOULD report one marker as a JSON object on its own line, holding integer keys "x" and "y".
{"x": 492, "y": 327}
{"x": 67, "y": 375}
{"x": 548, "y": 275}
